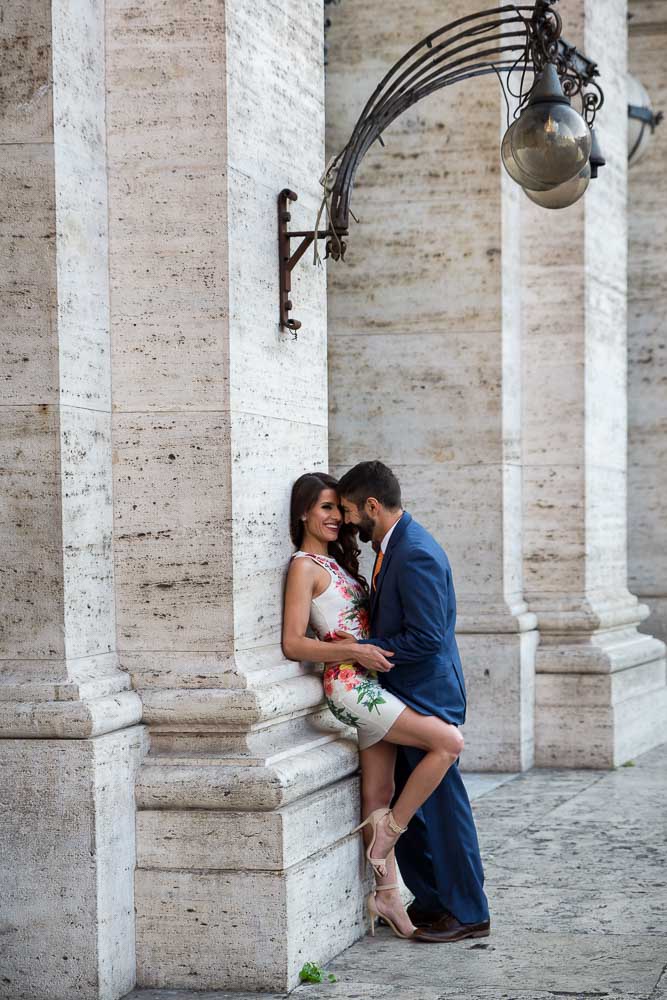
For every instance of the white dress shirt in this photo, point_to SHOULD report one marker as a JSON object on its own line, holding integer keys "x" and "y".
{"x": 385, "y": 541}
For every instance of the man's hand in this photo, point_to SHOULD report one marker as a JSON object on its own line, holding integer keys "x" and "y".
{"x": 368, "y": 656}
{"x": 343, "y": 636}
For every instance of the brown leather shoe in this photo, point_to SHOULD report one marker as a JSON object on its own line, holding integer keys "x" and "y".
{"x": 424, "y": 918}
{"x": 448, "y": 928}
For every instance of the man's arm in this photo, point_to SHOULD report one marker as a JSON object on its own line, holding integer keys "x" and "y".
{"x": 423, "y": 585}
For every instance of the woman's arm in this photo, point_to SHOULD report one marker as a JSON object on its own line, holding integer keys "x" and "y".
{"x": 301, "y": 585}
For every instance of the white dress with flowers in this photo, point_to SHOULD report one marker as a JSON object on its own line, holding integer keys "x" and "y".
{"x": 353, "y": 693}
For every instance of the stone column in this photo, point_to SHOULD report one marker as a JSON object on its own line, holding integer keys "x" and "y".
{"x": 647, "y": 347}
{"x": 69, "y": 744}
{"x": 424, "y": 347}
{"x": 600, "y": 688}
{"x": 246, "y": 869}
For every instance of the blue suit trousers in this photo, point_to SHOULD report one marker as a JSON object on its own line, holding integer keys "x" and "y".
{"x": 439, "y": 855}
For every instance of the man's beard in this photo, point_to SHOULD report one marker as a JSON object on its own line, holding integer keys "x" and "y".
{"x": 365, "y": 528}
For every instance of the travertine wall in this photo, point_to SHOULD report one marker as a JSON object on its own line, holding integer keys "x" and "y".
{"x": 154, "y": 416}
{"x": 600, "y": 688}
{"x": 215, "y": 411}
{"x": 248, "y": 790}
{"x": 647, "y": 342}
{"x": 68, "y": 849}
{"x": 424, "y": 342}
{"x": 492, "y": 379}
{"x": 58, "y": 638}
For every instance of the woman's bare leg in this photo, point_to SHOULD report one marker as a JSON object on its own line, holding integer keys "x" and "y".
{"x": 442, "y": 743}
{"x": 377, "y": 791}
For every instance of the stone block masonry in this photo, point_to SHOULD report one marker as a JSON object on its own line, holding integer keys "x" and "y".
{"x": 153, "y": 417}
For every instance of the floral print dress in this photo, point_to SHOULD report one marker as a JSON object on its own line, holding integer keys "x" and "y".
{"x": 353, "y": 693}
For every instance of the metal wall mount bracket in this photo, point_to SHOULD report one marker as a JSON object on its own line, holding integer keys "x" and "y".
{"x": 287, "y": 258}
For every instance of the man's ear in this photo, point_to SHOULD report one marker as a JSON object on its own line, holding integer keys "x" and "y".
{"x": 372, "y": 507}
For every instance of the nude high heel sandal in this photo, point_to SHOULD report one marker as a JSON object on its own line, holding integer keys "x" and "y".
{"x": 379, "y": 864}
{"x": 374, "y": 913}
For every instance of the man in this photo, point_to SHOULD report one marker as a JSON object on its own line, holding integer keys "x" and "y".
{"x": 413, "y": 615}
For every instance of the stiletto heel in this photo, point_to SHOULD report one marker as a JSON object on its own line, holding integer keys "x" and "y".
{"x": 371, "y": 914}
{"x": 379, "y": 864}
{"x": 374, "y": 913}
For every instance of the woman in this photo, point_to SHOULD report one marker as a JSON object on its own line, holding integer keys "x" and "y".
{"x": 326, "y": 591}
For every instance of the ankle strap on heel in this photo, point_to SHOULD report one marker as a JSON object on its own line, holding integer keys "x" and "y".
{"x": 393, "y": 885}
{"x": 393, "y": 825}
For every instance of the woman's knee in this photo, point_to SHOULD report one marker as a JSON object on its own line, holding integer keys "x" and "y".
{"x": 449, "y": 742}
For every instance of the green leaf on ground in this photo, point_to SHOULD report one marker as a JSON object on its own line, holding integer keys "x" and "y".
{"x": 628, "y": 763}
{"x": 311, "y": 973}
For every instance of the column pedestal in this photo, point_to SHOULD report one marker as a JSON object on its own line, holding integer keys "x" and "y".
{"x": 243, "y": 836}
{"x": 601, "y": 694}
{"x": 243, "y": 873}
{"x": 67, "y": 827}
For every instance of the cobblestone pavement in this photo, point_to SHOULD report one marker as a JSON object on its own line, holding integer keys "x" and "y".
{"x": 576, "y": 870}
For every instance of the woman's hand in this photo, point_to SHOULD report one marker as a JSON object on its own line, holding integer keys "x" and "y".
{"x": 366, "y": 655}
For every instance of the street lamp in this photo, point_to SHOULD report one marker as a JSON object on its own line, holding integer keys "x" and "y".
{"x": 550, "y": 149}
{"x": 550, "y": 141}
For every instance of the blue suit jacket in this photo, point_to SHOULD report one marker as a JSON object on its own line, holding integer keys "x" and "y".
{"x": 413, "y": 614}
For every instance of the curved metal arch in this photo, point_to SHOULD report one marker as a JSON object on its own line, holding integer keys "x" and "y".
{"x": 498, "y": 40}
{"x": 428, "y": 67}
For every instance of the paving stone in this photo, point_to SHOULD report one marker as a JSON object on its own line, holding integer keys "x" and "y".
{"x": 351, "y": 990}
{"x": 578, "y": 910}
{"x": 197, "y": 995}
{"x": 524, "y": 960}
{"x": 660, "y": 991}
{"x": 478, "y": 785}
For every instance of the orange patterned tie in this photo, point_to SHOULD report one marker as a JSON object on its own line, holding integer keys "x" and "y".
{"x": 378, "y": 566}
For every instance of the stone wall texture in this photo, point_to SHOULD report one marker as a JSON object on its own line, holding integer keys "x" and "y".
{"x": 647, "y": 342}
{"x": 424, "y": 347}
{"x": 478, "y": 344}
{"x": 600, "y": 684}
{"x": 215, "y": 413}
{"x": 175, "y": 800}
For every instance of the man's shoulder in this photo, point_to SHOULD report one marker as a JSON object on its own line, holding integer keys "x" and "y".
{"x": 417, "y": 539}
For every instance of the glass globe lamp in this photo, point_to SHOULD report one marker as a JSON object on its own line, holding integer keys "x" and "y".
{"x": 641, "y": 120}
{"x": 550, "y": 142}
{"x": 565, "y": 194}
{"x": 513, "y": 169}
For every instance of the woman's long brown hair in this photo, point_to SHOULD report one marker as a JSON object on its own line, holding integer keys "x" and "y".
{"x": 305, "y": 494}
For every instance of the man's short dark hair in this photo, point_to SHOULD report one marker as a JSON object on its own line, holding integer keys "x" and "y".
{"x": 371, "y": 479}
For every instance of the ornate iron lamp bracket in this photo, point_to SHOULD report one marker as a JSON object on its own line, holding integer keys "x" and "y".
{"x": 288, "y": 259}
{"x": 508, "y": 39}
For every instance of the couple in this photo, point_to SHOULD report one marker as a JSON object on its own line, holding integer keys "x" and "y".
{"x": 397, "y": 678}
